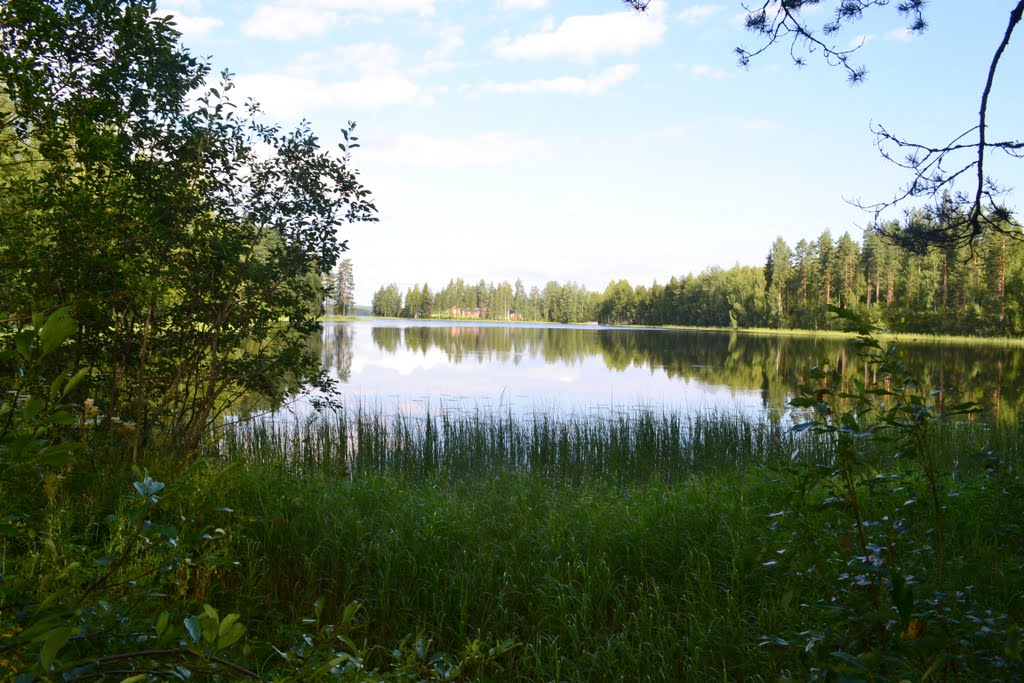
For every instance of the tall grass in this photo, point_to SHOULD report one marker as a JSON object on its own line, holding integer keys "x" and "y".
{"x": 631, "y": 446}
{"x": 619, "y": 447}
{"x": 636, "y": 546}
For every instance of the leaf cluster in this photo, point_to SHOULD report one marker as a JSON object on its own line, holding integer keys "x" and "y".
{"x": 891, "y": 609}
{"x": 179, "y": 227}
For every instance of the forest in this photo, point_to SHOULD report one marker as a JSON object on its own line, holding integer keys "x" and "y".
{"x": 956, "y": 290}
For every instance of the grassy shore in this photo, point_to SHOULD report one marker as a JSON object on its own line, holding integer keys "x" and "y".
{"x": 650, "y": 548}
{"x": 640, "y": 546}
{"x": 340, "y": 318}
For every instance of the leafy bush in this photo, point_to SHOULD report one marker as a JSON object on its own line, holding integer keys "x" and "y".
{"x": 117, "y": 588}
{"x": 876, "y": 570}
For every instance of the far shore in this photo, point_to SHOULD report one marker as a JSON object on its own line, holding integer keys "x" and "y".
{"x": 891, "y": 336}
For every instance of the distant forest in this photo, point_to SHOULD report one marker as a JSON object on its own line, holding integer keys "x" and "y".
{"x": 977, "y": 291}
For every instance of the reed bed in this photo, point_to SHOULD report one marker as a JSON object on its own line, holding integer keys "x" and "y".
{"x": 629, "y": 446}
{"x": 630, "y": 546}
{"x": 626, "y": 446}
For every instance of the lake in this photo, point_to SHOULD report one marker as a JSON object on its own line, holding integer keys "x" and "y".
{"x": 414, "y": 366}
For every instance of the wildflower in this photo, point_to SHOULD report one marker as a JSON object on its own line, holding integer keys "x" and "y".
{"x": 123, "y": 428}
{"x": 90, "y": 410}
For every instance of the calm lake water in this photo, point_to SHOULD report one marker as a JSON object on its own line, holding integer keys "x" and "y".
{"x": 415, "y": 366}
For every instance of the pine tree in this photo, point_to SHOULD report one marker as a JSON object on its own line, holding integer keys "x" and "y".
{"x": 344, "y": 290}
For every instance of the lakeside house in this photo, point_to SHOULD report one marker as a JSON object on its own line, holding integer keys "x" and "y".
{"x": 478, "y": 313}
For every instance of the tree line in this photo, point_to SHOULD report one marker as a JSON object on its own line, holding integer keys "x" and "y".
{"x": 955, "y": 289}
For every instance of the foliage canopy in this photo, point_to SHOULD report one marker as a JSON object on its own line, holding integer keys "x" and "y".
{"x": 180, "y": 228}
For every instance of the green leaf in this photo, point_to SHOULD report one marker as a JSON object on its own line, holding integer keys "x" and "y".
{"x": 58, "y": 454}
{"x": 32, "y": 408}
{"x": 209, "y": 623}
{"x": 55, "y": 640}
{"x": 72, "y": 566}
{"x": 326, "y": 668}
{"x": 229, "y": 632}
{"x": 803, "y": 402}
{"x": 350, "y": 613}
{"x": 58, "y": 327}
{"x": 23, "y": 343}
{"x": 74, "y": 381}
{"x": 192, "y": 626}
{"x": 318, "y": 607}
{"x": 138, "y": 678}
{"x": 61, "y": 417}
{"x": 161, "y": 623}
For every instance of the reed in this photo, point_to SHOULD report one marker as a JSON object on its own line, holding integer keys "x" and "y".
{"x": 637, "y": 546}
{"x": 627, "y": 446}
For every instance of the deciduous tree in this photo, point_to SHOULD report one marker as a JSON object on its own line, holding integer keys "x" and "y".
{"x": 180, "y": 227}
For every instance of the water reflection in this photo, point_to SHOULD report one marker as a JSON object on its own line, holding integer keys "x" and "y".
{"x": 526, "y": 367}
{"x": 334, "y": 346}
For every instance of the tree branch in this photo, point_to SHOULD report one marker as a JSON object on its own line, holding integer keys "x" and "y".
{"x": 963, "y": 217}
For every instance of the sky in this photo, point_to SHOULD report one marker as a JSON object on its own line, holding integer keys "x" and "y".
{"x": 576, "y": 140}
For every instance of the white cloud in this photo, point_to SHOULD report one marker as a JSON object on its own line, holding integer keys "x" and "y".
{"x": 713, "y": 73}
{"x": 450, "y": 40}
{"x": 696, "y": 14}
{"x": 292, "y": 97}
{"x": 900, "y": 34}
{"x": 595, "y": 84}
{"x": 521, "y": 4}
{"x": 361, "y": 58}
{"x": 195, "y": 26}
{"x": 862, "y": 39}
{"x": 423, "y": 7}
{"x": 186, "y": 5}
{"x": 486, "y": 149}
{"x": 291, "y": 19}
{"x": 740, "y": 20}
{"x": 281, "y": 22}
{"x": 359, "y": 76}
{"x": 584, "y": 37}
{"x": 188, "y": 18}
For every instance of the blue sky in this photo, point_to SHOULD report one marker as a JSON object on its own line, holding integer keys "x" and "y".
{"x": 570, "y": 140}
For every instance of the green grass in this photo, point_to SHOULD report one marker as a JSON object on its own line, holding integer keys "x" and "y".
{"x": 634, "y": 446}
{"x": 636, "y": 546}
{"x": 641, "y": 547}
